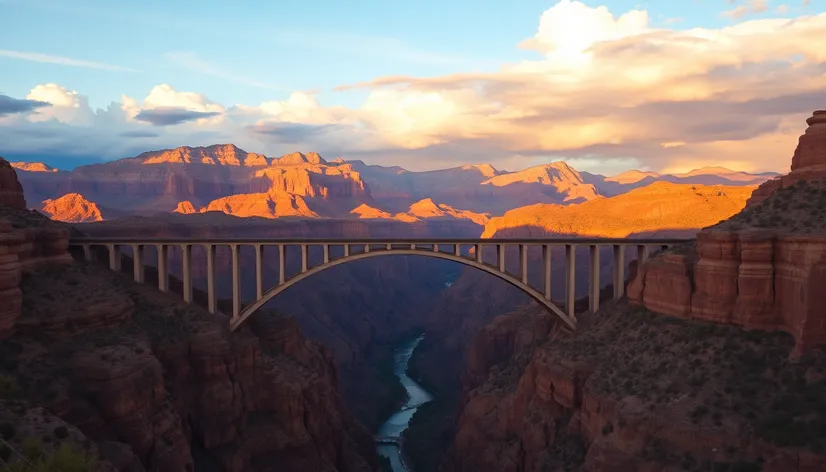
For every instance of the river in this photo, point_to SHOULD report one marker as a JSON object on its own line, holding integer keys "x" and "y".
{"x": 398, "y": 422}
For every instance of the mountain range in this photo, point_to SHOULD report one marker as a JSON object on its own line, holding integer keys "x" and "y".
{"x": 224, "y": 178}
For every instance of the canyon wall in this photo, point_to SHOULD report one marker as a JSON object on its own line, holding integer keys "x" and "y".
{"x": 157, "y": 384}
{"x": 762, "y": 268}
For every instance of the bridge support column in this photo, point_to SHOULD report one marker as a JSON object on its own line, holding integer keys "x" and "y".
{"x": 259, "y": 271}
{"x": 212, "y": 304}
{"x": 457, "y": 249}
{"x": 346, "y": 250}
{"x": 327, "y": 253}
{"x": 163, "y": 273}
{"x": 114, "y": 257}
{"x": 478, "y": 250}
{"x": 304, "y": 256}
{"x": 282, "y": 266}
{"x": 186, "y": 257}
{"x": 500, "y": 254}
{"x": 236, "y": 281}
{"x": 619, "y": 271}
{"x": 523, "y": 262}
{"x": 642, "y": 254}
{"x": 593, "y": 298}
{"x": 570, "y": 280}
{"x": 137, "y": 263}
{"x": 87, "y": 253}
{"x": 546, "y": 259}
{"x": 366, "y": 248}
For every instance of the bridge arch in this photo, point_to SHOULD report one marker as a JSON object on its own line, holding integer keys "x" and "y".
{"x": 250, "y": 309}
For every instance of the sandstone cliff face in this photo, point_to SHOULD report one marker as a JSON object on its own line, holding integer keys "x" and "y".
{"x": 11, "y": 192}
{"x": 655, "y": 208}
{"x": 160, "y": 179}
{"x": 33, "y": 167}
{"x": 125, "y": 362}
{"x": 760, "y": 269}
{"x": 264, "y": 205}
{"x": 72, "y": 208}
{"x": 626, "y": 393}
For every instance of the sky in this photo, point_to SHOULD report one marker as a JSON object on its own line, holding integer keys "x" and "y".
{"x": 607, "y": 85}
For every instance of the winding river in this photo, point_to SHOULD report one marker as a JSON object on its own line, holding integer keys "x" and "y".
{"x": 398, "y": 422}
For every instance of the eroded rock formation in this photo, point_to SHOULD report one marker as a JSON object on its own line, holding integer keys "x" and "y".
{"x": 11, "y": 192}
{"x": 762, "y": 268}
{"x": 72, "y": 208}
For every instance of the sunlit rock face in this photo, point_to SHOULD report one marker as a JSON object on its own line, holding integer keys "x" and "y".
{"x": 760, "y": 268}
{"x": 72, "y": 208}
{"x": 658, "y": 207}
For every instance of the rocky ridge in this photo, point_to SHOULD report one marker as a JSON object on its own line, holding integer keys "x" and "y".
{"x": 153, "y": 383}
{"x": 671, "y": 380}
{"x": 658, "y": 207}
{"x": 761, "y": 268}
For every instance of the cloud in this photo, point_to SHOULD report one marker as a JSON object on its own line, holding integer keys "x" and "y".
{"x": 166, "y": 116}
{"x": 9, "y": 105}
{"x": 292, "y": 133}
{"x": 67, "y": 106}
{"x": 603, "y": 89}
{"x": 751, "y": 6}
{"x": 60, "y": 60}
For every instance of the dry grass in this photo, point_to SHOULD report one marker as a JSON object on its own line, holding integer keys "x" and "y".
{"x": 798, "y": 209}
{"x": 704, "y": 374}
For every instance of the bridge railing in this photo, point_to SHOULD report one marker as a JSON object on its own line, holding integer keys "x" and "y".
{"x": 468, "y": 251}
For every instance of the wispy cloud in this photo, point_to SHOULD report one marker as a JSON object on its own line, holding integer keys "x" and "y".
{"x": 751, "y": 6}
{"x": 64, "y": 61}
{"x": 194, "y": 63}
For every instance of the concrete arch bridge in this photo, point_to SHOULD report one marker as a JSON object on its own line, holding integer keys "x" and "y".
{"x": 465, "y": 251}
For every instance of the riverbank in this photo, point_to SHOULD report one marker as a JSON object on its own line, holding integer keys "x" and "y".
{"x": 395, "y": 426}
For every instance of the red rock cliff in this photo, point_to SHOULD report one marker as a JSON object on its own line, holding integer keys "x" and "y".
{"x": 762, "y": 268}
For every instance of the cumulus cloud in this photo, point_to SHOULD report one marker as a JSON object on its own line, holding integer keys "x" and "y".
{"x": 606, "y": 89}
{"x": 9, "y": 105}
{"x": 67, "y": 106}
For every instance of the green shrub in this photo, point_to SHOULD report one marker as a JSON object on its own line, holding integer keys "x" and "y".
{"x": 64, "y": 459}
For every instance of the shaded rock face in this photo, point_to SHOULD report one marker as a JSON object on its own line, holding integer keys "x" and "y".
{"x": 10, "y": 245}
{"x": 757, "y": 270}
{"x": 625, "y": 394}
{"x": 759, "y": 281}
{"x": 181, "y": 391}
{"x": 11, "y": 192}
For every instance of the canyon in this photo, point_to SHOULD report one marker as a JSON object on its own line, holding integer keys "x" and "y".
{"x": 225, "y": 178}
{"x": 712, "y": 363}
{"x": 667, "y": 380}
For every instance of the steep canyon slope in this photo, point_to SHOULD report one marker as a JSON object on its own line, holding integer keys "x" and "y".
{"x": 153, "y": 383}
{"x": 716, "y": 363}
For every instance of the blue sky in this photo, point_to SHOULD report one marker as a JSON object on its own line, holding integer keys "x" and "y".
{"x": 248, "y": 52}
{"x": 286, "y": 46}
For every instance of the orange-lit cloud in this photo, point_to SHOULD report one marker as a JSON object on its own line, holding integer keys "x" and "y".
{"x": 606, "y": 87}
